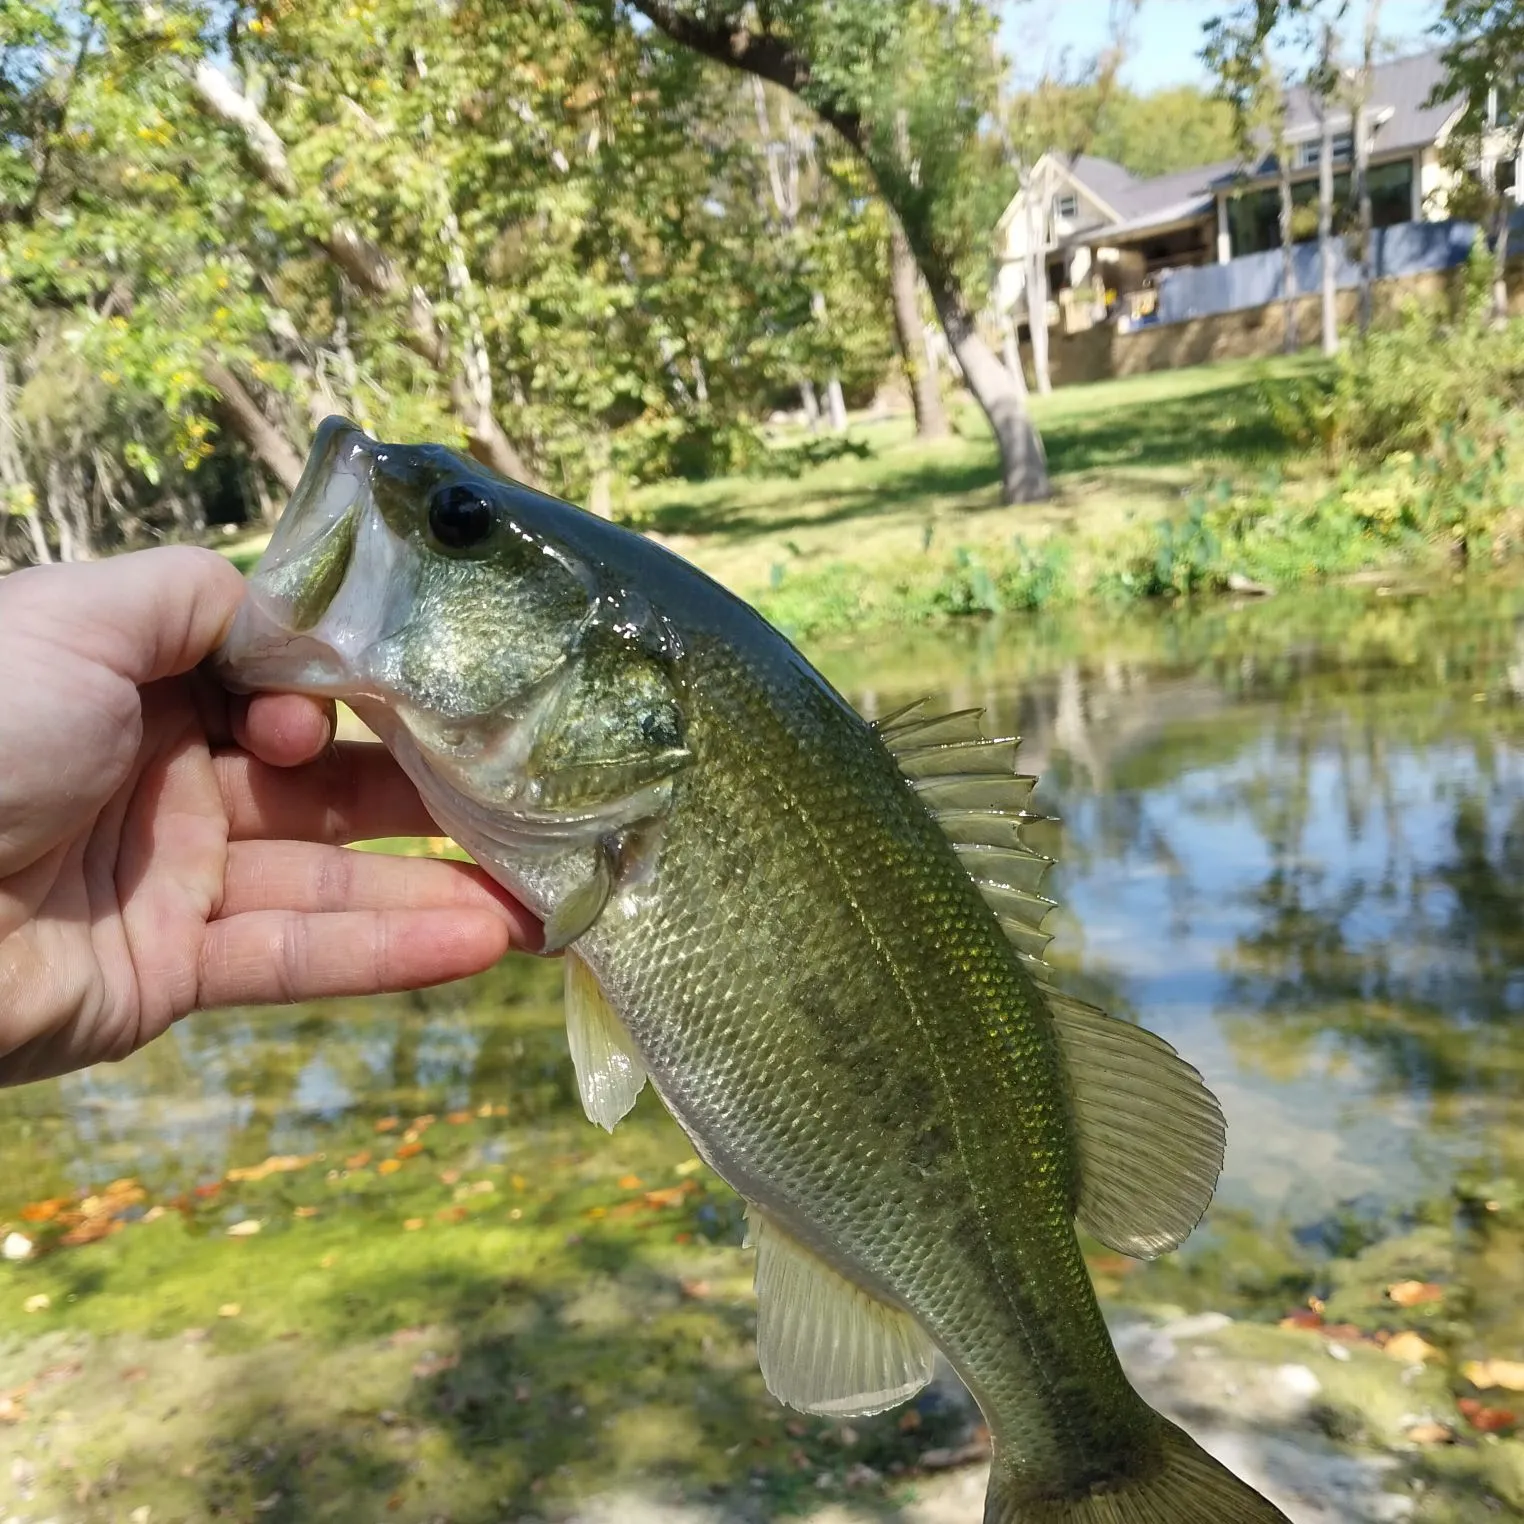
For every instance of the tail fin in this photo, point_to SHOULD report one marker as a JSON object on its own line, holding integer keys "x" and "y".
{"x": 1186, "y": 1487}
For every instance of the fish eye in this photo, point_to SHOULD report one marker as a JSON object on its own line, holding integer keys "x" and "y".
{"x": 661, "y": 727}
{"x": 460, "y": 517}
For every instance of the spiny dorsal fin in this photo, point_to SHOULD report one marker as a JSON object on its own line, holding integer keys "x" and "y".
{"x": 970, "y": 784}
{"x": 1149, "y": 1133}
{"x": 825, "y": 1345}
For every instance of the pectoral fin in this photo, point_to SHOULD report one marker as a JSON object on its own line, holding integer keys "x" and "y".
{"x": 577, "y": 912}
{"x": 825, "y": 1345}
{"x": 610, "y": 1073}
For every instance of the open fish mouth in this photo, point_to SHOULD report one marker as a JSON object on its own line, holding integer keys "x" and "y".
{"x": 333, "y": 583}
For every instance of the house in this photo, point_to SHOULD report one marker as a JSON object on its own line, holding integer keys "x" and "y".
{"x": 1106, "y": 239}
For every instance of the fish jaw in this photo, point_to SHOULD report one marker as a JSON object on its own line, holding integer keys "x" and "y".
{"x": 330, "y": 587}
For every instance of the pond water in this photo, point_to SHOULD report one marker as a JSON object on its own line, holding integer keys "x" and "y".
{"x": 1290, "y": 838}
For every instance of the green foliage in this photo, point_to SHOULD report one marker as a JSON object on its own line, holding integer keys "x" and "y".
{"x": 1164, "y": 130}
{"x": 1407, "y": 383}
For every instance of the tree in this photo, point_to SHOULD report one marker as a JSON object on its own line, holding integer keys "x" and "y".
{"x": 908, "y": 86}
{"x": 1163, "y": 131}
{"x": 1237, "y": 51}
{"x": 1481, "y": 48}
{"x": 1323, "y": 83}
{"x": 920, "y": 373}
{"x": 1362, "y": 152}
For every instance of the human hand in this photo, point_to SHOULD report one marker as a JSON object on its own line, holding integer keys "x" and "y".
{"x": 166, "y": 847}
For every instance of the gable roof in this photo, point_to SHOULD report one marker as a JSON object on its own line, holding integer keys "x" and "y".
{"x": 1105, "y": 177}
{"x": 1400, "y": 86}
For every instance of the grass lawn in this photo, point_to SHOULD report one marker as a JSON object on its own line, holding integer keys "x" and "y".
{"x": 1117, "y": 451}
{"x": 886, "y": 531}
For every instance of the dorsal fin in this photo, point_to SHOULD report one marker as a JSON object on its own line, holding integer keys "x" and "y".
{"x": 970, "y": 784}
{"x": 1148, "y": 1132}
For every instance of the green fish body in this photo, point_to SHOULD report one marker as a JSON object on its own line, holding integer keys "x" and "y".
{"x": 818, "y": 938}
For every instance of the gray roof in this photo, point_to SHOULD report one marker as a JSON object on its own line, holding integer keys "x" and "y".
{"x": 1403, "y": 85}
{"x": 1104, "y": 176}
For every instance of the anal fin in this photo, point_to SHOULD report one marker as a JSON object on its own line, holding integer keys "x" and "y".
{"x": 1150, "y": 1135}
{"x": 825, "y": 1345}
{"x": 610, "y": 1073}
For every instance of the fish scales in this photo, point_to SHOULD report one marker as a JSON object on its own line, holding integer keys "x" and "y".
{"x": 765, "y": 918}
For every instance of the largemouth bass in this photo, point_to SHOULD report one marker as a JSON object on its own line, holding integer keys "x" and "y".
{"x": 818, "y": 938}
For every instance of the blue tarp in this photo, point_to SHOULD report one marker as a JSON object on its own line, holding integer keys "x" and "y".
{"x": 1406, "y": 248}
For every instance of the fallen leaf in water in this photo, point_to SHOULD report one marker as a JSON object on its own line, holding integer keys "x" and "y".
{"x": 394, "y": 1502}
{"x": 39, "y": 1303}
{"x": 246, "y": 1229}
{"x": 389, "y": 1166}
{"x": 153, "y": 1214}
{"x": 359, "y": 1160}
{"x": 485, "y": 1109}
{"x": 1415, "y": 1293}
{"x": 427, "y": 1120}
{"x": 11, "y": 1410}
{"x": 1485, "y": 1419}
{"x": 1411, "y": 1349}
{"x": 206, "y": 1192}
{"x": 671, "y": 1195}
{"x": 409, "y": 1150}
{"x": 695, "y": 1291}
{"x": 277, "y": 1164}
{"x": 412, "y": 1224}
{"x": 631, "y": 1183}
{"x": 689, "y": 1167}
{"x": 230, "y": 1310}
{"x": 304, "y": 1211}
{"x": 388, "y": 1124}
{"x": 1303, "y": 1318}
{"x": 449, "y": 1176}
{"x": 909, "y": 1420}
{"x": 135, "y": 1373}
{"x": 1345, "y": 1333}
{"x": 1508, "y": 1374}
{"x": 453, "y": 1214}
{"x": 1431, "y": 1434}
{"x": 458, "y": 1118}
{"x": 92, "y": 1230}
{"x": 518, "y": 1182}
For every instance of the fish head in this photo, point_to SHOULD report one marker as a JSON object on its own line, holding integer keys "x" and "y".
{"x": 528, "y": 693}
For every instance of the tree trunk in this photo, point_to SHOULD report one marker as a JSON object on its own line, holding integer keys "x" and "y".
{"x": 836, "y": 405}
{"x": 1292, "y": 339}
{"x": 1023, "y": 466}
{"x": 1325, "y": 238}
{"x": 1011, "y": 350}
{"x": 930, "y": 416}
{"x": 811, "y": 405}
{"x": 1037, "y": 299}
{"x": 242, "y": 415}
{"x": 1362, "y": 185}
{"x": 1500, "y": 264}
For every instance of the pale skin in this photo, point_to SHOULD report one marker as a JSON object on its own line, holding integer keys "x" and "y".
{"x": 168, "y": 848}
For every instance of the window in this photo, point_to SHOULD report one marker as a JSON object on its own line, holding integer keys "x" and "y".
{"x": 1308, "y": 154}
{"x": 1066, "y": 204}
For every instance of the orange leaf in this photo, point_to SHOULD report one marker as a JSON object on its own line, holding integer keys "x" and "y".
{"x": 11, "y": 1410}
{"x": 409, "y": 1150}
{"x": 388, "y": 1166}
{"x": 305, "y": 1211}
{"x": 1302, "y": 1317}
{"x": 458, "y": 1118}
{"x": 1415, "y": 1293}
{"x": 387, "y": 1124}
{"x": 1411, "y": 1349}
{"x": 631, "y": 1183}
{"x": 359, "y": 1160}
{"x": 412, "y": 1225}
{"x": 1431, "y": 1434}
{"x": 449, "y": 1176}
{"x": 1487, "y": 1420}
{"x": 44, "y": 1211}
{"x": 671, "y": 1195}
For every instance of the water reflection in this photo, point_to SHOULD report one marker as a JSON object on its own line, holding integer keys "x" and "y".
{"x": 1292, "y": 841}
